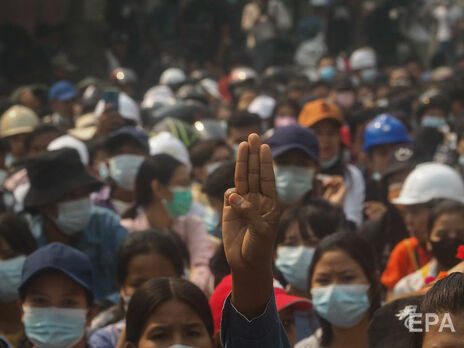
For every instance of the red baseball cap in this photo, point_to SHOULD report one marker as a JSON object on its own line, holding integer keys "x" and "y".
{"x": 283, "y": 300}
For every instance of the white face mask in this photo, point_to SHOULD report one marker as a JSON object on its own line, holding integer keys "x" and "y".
{"x": 124, "y": 169}
{"x": 74, "y": 216}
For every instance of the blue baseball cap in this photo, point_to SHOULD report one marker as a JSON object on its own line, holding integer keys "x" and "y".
{"x": 139, "y": 136}
{"x": 58, "y": 257}
{"x": 294, "y": 137}
{"x": 62, "y": 91}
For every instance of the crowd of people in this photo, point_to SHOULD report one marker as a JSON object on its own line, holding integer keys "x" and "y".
{"x": 304, "y": 205}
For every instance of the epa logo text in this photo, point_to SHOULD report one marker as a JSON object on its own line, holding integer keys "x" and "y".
{"x": 419, "y": 322}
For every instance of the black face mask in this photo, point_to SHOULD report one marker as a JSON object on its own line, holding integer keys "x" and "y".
{"x": 445, "y": 251}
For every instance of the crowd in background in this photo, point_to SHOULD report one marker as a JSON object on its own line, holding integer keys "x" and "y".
{"x": 112, "y": 186}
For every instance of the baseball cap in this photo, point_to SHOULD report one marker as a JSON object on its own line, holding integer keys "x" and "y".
{"x": 134, "y": 133}
{"x": 319, "y": 110}
{"x": 58, "y": 257}
{"x": 62, "y": 91}
{"x": 294, "y": 137}
{"x": 283, "y": 300}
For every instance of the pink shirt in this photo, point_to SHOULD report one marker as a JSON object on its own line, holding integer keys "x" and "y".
{"x": 196, "y": 238}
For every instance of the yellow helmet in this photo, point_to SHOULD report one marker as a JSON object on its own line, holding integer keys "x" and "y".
{"x": 18, "y": 119}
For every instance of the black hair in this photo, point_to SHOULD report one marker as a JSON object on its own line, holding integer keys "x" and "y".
{"x": 113, "y": 145}
{"x": 94, "y": 146}
{"x": 155, "y": 293}
{"x": 242, "y": 119}
{"x": 443, "y": 207}
{"x": 322, "y": 217}
{"x": 360, "y": 251}
{"x": 201, "y": 153}
{"x": 42, "y": 128}
{"x": 145, "y": 242}
{"x": 285, "y": 102}
{"x": 446, "y": 296}
{"x": 15, "y": 231}
{"x": 220, "y": 180}
{"x": 159, "y": 167}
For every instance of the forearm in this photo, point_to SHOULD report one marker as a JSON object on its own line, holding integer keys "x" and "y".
{"x": 251, "y": 291}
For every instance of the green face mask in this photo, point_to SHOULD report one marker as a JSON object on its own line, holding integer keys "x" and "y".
{"x": 181, "y": 202}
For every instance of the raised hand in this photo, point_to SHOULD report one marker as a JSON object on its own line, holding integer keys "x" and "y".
{"x": 249, "y": 227}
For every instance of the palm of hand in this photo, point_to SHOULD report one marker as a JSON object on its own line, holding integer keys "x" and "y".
{"x": 250, "y": 228}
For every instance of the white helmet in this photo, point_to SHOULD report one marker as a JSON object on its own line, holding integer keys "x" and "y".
{"x": 67, "y": 141}
{"x": 431, "y": 181}
{"x": 172, "y": 76}
{"x": 363, "y": 58}
{"x": 165, "y": 142}
{"x": 128, "y": 108}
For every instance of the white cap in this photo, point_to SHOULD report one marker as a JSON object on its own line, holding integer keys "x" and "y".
{"x": 211, "y": 87}
{"x": 263, "y": 106}
{"x": 67, "y": 141}
{"x": 158, "y": 95}
{"x": 128, "y": 108}
{"x": 167, "y": 143}
{"x": 431, "y": 181}
{"x": 363, "y": 58}
{"x": 172, "y": 76}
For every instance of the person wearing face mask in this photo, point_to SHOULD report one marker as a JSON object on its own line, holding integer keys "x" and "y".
{"x": 343, "y": 94}
{"x": 143, "y": 256}
{"x": 57, "y": 298}
{"x": 126, "y": 149}
{"x": 285, "y": 113}
{"x": 206, "y": 157}
{"x": 16, "y": 242}
{"x": 300, "y": 231}
{"x": 16, "y": 124}
{"x": 295, "y": 152}
{"x": 240, "y": 125}
{"x": 432, "y": 111}
{"x": 163, "y": 198}
{"x": 327, "y": 68}
{"x": 326, "y": 120}
{"x": 363, "y": 63}
{"x": 445, "y": 235}
{"x": 59, "y": 209}
{"x": 424, "y": 186}
{"x": 215, "y": 185}
{"x": 345, "y": 291}
{"x": 168, "y": 313}
{"x": 381, "y": 135}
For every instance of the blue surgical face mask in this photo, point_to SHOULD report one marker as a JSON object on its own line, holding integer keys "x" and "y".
{"x": 369, "y": 75}
{"x": 433, "y": 121}
{"x": 343, "y": 306}
{"x": 181, "y": 202}
{"x": 294, "y": 263}
{"x": 327, "y": 73}
{"x": 10, "y": 278}
{"x": 50, "y": 327}
{"x": 74, "y": 216}
{"x": 211, "y": 220}
{"x": 293, "y": 182}
{"x": 124, "y": 169}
